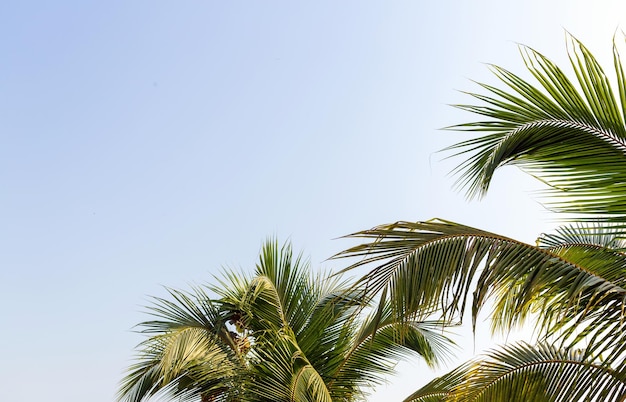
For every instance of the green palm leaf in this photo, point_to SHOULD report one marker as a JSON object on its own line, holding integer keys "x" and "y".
{"x": 429, "y": 267}
{"x": 598, "y": 316}
{"x": 533, "y": 373}
{"x": 439, "y": 389}
{"x": 573, "y": 139}
{"x": 191, "y": 354}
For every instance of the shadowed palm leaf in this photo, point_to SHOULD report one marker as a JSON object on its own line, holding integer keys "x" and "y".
{"x": 573, "y": 286}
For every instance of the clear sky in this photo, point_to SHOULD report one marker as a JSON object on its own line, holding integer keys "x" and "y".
{"x": 150, "y": 143}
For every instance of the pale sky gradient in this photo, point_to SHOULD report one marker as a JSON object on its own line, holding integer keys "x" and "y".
{"x": 150, "y": 143}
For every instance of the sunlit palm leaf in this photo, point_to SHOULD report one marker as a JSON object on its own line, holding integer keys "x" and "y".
{"x": 573, "y": 139}
{"x": 524, "y": 372}
{"x": 597, "y": 316}
{"x": 190, "y": 352}
{"x": 187, "y": 361}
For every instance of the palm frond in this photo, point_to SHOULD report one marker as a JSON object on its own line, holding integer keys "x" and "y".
{"x": 535, "y": 373}
{"x": 189, "y": 351}
{"x": 309, "y": 386}
{"x": 571, "y": 135}
{"x": 591, "y": 235}
{"x": 429, "y": 267}
{"x": 183, "y": 361}
{"x": 439, "y": 389}
{"x": 385, "y": 335}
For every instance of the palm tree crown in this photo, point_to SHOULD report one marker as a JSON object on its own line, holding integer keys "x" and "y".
{"x": 282, "y": 334}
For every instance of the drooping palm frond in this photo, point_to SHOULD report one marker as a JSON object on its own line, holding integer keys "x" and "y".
{"x": 524, "y": 372}
{"x": 189, "y": 354}
{"x": 382, "y": 335}
{"x": 380, "y": 342}
{"x": 439, "y": 389}
{"x": 598, "y": 316}
{"x": 571, "y": 135}
{"x": 429, "y": 267}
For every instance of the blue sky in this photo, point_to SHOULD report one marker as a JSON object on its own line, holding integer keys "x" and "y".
{"x": 151, "y": 143}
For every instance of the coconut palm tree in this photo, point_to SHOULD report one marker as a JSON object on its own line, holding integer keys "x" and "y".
{"x": 572, "y": 136}
{"x": 282, "y": 334}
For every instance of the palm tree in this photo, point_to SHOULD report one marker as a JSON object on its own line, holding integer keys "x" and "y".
{"x": 282, "y": 334}
{"x": 571, "y": 136}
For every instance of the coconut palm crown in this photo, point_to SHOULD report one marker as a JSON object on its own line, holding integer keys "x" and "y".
{"x": 282, "y": 334}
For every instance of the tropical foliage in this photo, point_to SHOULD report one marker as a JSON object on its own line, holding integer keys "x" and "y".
{"x": 282, "y": 334}
{"x": 571, "y": 135}
{"x": 529, "y": 373}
